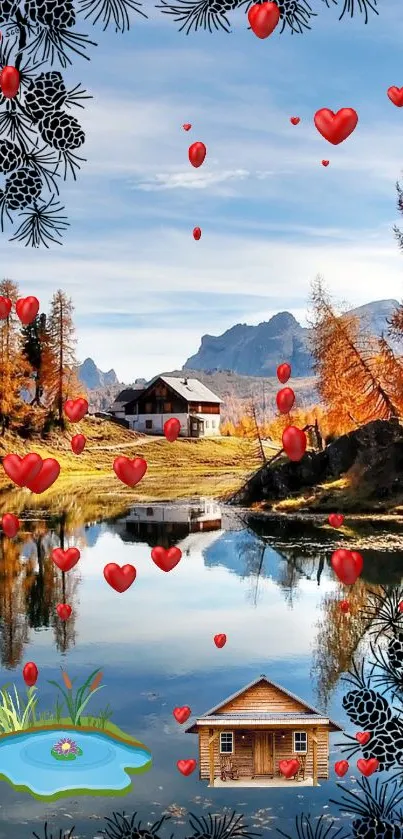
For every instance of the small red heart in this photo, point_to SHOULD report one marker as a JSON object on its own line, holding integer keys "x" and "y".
{"x": 295, "y": 120}
{"x": 64, "y": 611}
{"x": 182, "y": 714}
{"x": 341, "y": 767}
{"x": 130, "y": 472}
{"x": 172, "y": 428}
{"x": 187, "y": 126}
{"x": 263, "y": 18}
{"x": 336, "y": 127}
{"x": 78, "y": 443}
{"x": 289, "y": 768}
{"x": 363, "y": 737}
{"x": 197, "y": 233}
{"x": 10, "y": 525}
{"x": 335, "y": 519}
{"x": 166, "y": 560}
{"x": 197, "y": 152}
{"x": 283, "y": 373}
{"x": 186, "y": 767}
{"x": 220, "y": 640}
{"x": 396, "y": 95}
{"x": 22, "y": 469}
{"x": 119, "y": 578}
{"x": 49, "y": 473}
{"x": 367, "y": 767}
{"x": 347, "y": 565}
{"x": 65, "y": 560}
{"x": 76, "y": 409}
{"x": 344, "y": 606}
{"x": 5, "y": 307}
{"x": 325, "y": 162}
{"x": 285, "y": 399}
{"x": 27, "y": 309}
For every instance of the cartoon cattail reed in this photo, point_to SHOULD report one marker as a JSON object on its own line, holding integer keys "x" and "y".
{"x": 67, "y": 680}
{"x": 96, "y": 682}
{"x": 76, "y": 702}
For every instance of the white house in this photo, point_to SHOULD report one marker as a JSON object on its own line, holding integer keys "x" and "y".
{"x": 195, "y": 406}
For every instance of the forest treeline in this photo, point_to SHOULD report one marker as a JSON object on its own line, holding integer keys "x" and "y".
{"x": 37, "y": 365}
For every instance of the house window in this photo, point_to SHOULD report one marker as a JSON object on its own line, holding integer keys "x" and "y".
{"x": 213, "y": 423}
{"x": 207, "y": 423}
{"x": 226, "y": 742}
{"x": 167, "y": 408}
{"x": 150, "y": 511}
{"x": 149, "y": 407}
{"x": 300, "y": 742}
{"x": 149, "y": 424}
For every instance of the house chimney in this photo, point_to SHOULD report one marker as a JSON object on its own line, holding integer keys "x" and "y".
{"x": 185, "y": 381}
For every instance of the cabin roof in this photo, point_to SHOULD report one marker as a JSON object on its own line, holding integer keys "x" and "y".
{"x": 310, "y": 713}
{"x": 190, "y": 389}
{"x": 125, "y": 396}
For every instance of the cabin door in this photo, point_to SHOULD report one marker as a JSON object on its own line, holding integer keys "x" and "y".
{"x": 263, "y": 753}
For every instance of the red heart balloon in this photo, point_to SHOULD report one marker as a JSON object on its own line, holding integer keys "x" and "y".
{"x": 65, "y": 560}
{"x": 78, "y": 443}
{"x": 119, "y": 578}
{"x": 5, "y": 307}
{"x": 367, "y": 767}
{"x": 325, "y": 162}
{"x": 22, "y": 469}
{"x": 294, "y": 442}
{"x": 285, "y": 399}
{"x": 9, "y": 82}
{"x": 182, "y": 714}
{"x": 346, "y": 566}
{"x": 49, "y": 473}
{"x": 166, "y": 559}
{"x": 172, "y": 428}
{"x": 187, "y": 126}
{"x": 363, "y": 737}
{"x": 344, "y": 606}
{"x": 197, "y": 233}
{"x": 76, "y": 409}
{"x": 186, "y": 767}
{"x": 10, "y": 525}
{"x": 30, "y": 674}
{"x": 220, "y": 640}
{"x": 336, "y": 127}
{"x": 64, "y": 611}
{"x": 289, "y": 768}
{"x": 263, "y": 18}
{"x": 335, "y": 519}
{"x": 294, "y": 120}
{"x": 341, "y": 767}
{"x": 396, "y": 95}
{"x": 197, "y": 153}
{"x": 283, "y": 373}
{"x": 27, "y": 309}
{"x": 400, "y": 606}
{"x": 130, "y": 472}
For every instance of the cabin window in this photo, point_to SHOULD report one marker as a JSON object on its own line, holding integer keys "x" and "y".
{"x": 207, "y": 423}
{"x": 226, "y": 742}
{"x": 167, "y": 407}
{"x": 149, "y": 424}
{"x": 149, "y": 407}
{"x": 300, "y": 742}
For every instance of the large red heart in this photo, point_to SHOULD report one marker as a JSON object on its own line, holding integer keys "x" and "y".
{"x": 263, "y": 18}
{"x": 341, "y": 767}
{"x": 396, "y": 95}
{"x": 130, "y": 472}
{"x": 363, "y": 737}
{"x": 64, "y": 611}
{"x": 22, "y": 469}
{"x": 76, "y": 409}
{"x": 9, "y": 81}
{"x": 182, "y": 714}
{"x": 119, "y": 578}
{"x": 5, "y": 307}
{"x": 27, "y": 309}
{"x": 285, "y": 399}
{"x": 65, "y": 560}
{"x": 336, "y": 127}
{"x": 172, "y": 426}
{"x": 78, "y": 443}
{"x": 49, "y": 473}
{"x": 220, "y": 640}
{"x": 283, "y": 373}
{"x": 10, "y": 525}
{"x": 367, "y": 767}
{"x": 289, "y": 768}
{"x": 197, "y": 152}
{"x": 186, "y": 767}
{"x": 166, "y": 559}
{"x": 294, "y": 442}
{"x": 335, "y": 519}
{"x": 347, "y": 565}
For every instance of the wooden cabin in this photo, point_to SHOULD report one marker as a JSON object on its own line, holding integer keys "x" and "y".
{"x": 246, "y": 736}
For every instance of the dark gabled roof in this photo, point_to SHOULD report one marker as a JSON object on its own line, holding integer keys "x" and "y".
{"x": 189, "y": 389}
{"x": 125, "y": 396}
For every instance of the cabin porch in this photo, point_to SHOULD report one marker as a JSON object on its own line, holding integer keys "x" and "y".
{"x": 245, "y": 782}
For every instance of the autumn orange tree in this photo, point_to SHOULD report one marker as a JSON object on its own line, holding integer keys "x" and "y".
{"x": 60, "y": 377}
{"x": 14, "y": 367}
{"x": 359, "y": 377}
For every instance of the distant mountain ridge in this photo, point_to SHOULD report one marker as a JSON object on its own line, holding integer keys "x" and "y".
{"x": 92, "y": 377}
{"x": 257, "y": 350}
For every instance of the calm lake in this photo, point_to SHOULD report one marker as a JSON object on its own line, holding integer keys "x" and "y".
{"x": 266, "y": 583}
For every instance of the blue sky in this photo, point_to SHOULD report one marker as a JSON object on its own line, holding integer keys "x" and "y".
{"x": 272, "y": 216}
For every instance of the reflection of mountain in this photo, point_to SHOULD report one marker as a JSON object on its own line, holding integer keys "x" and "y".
{"x": 169, "y": 524}
{"x": 92, "y": 534}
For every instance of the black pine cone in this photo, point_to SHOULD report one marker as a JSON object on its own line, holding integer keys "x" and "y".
{"x": 45, "y": 94}
{"x": 366, "y": 708}
{"x": 56, "y": 14}
{"x": 61, "y": 131}
{"x": 22, "y": 188}
{"x": 8, "y": 9}
{"x": 371, "y": 828}
{"x": 395, "y": 652}
{"x": 220, "y": 7}
{"x": 386, "y": 745}
{"x": 10, "y": 156}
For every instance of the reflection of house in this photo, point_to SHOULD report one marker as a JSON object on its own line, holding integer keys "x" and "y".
{"x": 257, "y": 727}
{"x": 169, "y": 524}
{"x": 195, "y": 406}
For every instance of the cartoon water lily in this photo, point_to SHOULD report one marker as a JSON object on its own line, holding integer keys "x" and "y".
{"x": 66, "y": 749}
